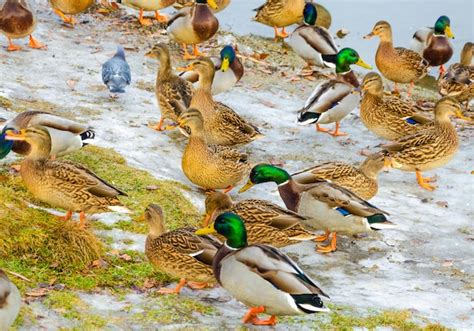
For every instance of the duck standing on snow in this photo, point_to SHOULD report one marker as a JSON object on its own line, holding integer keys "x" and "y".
{"x": 66, "y": 136}
{"x": 228, "y": 71}
{"x": 400, "y": 65}
{"x": 70, "y": 7}
{"x": 311, "y": 41}
{"x": 261, "y": 276}
{"x": 193, "y": 25}
{"x": 63, "y": 184}
{"x": 116, "y": 72}
{"x": 18, "y": 20}
{"x": 328, "y": 206}
{"x": 10, "y": 302}
{"x": 433, "y": 43}
{"x": 334, "y": 99}
{"x": 149, "y": 5}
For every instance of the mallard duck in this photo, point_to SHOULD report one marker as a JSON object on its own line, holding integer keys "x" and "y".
{"x": 221, "y": 4}
{"x": 18, "y": 20}
{"x": 334, "y": 99}
{"x": 10, "y": 301}
{"x": 427, "y": 149}
{"x": 361, "y": 180}
{"x": 400, "y": 65}
{"x": 149, "y": 5}
{"x": 210, "y": 166}
{"x": 116, "y": 72}
{"x": 63, "y": 184}
{"x": 180, "y": 253}
{"x": 193, "y": 25}
{"x": 458, "y": 81}
{"x": 228, "y": 71}
{"x": 66, "y": 136}
{"x": 266, "y": 222}
{"x": 311, "y": 41}
{"x": 222, "y": 125}
{"x": 70, "y": 7}
{"x": 433, "y": 43}
{"x": 170, "y": 89}
{"x": 389, "y": 117}
{"x": 328, "y": 206}
{"x": 261, "y": 276}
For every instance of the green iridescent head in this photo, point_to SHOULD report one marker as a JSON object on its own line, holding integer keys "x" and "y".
{"x": 5, "y": 145}
{"x": 264, "y": 173}
{"x": 227, "y": 57}
{"x": 347, "y": 57}
{"x": 443, "y": 27}
{"x": 231, "y": 227}
{"x": 310, "y": 14}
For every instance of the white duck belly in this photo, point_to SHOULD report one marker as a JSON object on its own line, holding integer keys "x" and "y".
{"x": 64, "y": 142}
{"x": 223, "y": 81}
{"x": 10, "y": 310}
{"x": 181, "y": 32}
{"x": 341, "y": 110}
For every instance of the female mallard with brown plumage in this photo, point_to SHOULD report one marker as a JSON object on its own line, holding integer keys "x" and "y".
{"x": 70, "y": 7}
{"x": 266, "y": 222}
{"x": 222, "y": 125}
{"x": 193, "y": 25}
{"x": 63, "y": 184}
{"x": 389, "y": 117}
{"x": 149, "y": 5}
{"x": 18, "y": 20}
{"x": 427, "y": 149}
{"x": 458, "y": 80}
{"x": 400, "y": 65}
{"x": 170, "y": 89}
{"x": 361, "y": 180}
{"x": 180, "y": 253}
{"x": 209, "y": 166}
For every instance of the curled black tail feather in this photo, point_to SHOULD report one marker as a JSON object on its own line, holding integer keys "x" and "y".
{"x": 309, "y": 303}
{"x": 89, "y": 134}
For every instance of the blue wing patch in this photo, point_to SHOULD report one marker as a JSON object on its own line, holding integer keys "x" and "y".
{"x": 344, "y": 212}
{"x": 411, "y": 121}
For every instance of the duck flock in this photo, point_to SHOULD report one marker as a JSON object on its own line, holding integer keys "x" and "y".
{"x": 243, "y": 257}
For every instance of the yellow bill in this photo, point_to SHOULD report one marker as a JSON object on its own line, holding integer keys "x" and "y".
{"x": 449, "y": 33}
{"x": 212, "y": 4}
{"x": 207, "y": 230}
{"x": 246, "y": 187}
{"x": 225, "y": 65}
{"x": 13, "y": 136}
{"x": 362, "y": 64}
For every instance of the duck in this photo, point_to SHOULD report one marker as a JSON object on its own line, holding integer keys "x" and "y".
{"x": 334, "y": 99}
{"x": 266, "y": 222}
{"x": 311, "y": 41}
{"x": 67, "y": 136}
{"x": 63, "y": 184}
{"x": 361, "y": 180}
{"x": 148, "y": 5}
{"x": 399, "y": 65}
{"x": 179, "y": 253}
{"x": 427, "y": 149}
{"x": 169, "y": 89}
{"x": 327, "y": 205}
{"x": 116, "y": 72}
{"x": 228, "y": 71}
{"x": 193, "y": 25}
{"x": 261, "y": 276}
{"x": 388, "y": 117}
{"x": 222, "y": 125}
{"x": 221, "y": 5}
{"x": 209, "y": 166}
{"x": 10, "y": 301}
{"x": 458, "y": 80}
{"x": 70, "y": 7}
{"x": 433, "y": 43}
{"x": 18, "y": 20}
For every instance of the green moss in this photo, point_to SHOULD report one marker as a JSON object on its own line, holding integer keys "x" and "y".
{"x": 5, "y": 102}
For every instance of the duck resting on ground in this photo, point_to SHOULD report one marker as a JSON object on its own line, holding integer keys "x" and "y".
{"x": 116, "y": 72}
{"x": 261, "y": 276}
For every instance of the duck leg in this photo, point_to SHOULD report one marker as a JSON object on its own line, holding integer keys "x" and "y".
{"x": 144, "y": 21}
{"x": 186, "y": 55}
{"x": 33, "y": 43}
{"x": 320, "y": 129}
{"x": 329, "y": 248}
{"x": 175, "y": 290}
{"x": 423, "y": 181}
{"x": 252, "y": 317}
{"x": 395, "y": 89}
{"x": 197, "y": 285}
{"x": 67, "y": 216}
{"x": 159, "y": 126}
{"x": 410, "y": 89}
{"x": 82, "y": 220}
{"x": 196, "y": 51}
{"x": 442, "y": 70}
{"x": 160, "y": 18}
{"x": 66, "y": 19}
{"x": 228, "y": 189}
{"x": 279, "y": 34}
{"x": 322, "y": 238}
{"x": 336, "y": 132}
{"x": 12, "y": 47}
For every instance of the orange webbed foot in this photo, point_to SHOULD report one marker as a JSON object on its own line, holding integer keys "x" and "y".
{"x": 33, "y": 43}
{"x": 175, "y": 290}
{"x": 423, "y": 181}
{"x": 12, "y": 47}
{"x": 322, "y": 238}
{"x": 320, "y": 129}
{"x": 197, "y": 285}
{"x": 161, "y": 18}
{"x": 329, "y": 248}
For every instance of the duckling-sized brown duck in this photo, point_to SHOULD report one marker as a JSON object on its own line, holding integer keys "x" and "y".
{"x": 427, "y": 149}
{"x": 360, "y": 180}
{"x": 208, "y": 166}
{"x": 389, "y": 117}
{"x": 180, "y": 253}
{"x": 266, "y": 222}
{"x": 63, "y": 184}
{"x": 170, "y": 88}
{"x": 222, "y": 125}
{"x": 400, "y": 65}
{"x": 70, "y": 7}
{"x": 18, "y": 20}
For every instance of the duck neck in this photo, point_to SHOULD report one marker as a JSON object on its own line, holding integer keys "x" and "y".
{"x": 466, "y": 57}
{"x": 369, "y": 171}
{"x": 165, "y": 68}
{"x": 39, "y": 152}
{"x": 290, "y": 194}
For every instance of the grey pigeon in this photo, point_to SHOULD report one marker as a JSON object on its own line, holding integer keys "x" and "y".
{"x": 116, "y": 72}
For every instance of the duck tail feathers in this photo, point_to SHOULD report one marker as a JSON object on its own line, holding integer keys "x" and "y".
{"x": 309, "y": 303}
{"x": 89, "y": 134}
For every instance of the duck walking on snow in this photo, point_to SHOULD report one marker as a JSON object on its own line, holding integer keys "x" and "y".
{"x": 116, "y": 72}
